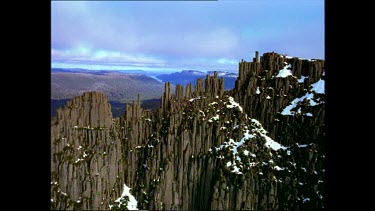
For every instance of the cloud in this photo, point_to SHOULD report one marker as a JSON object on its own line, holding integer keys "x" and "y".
{"x": 84, "y": 54}
{"x": 206, "y": 34}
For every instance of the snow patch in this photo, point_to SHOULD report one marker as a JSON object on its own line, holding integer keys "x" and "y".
{"x": 132, "y": 203}
{"x": 277, "y": 168}
{"x": 234, "y": 104}
{"x": 318, "y": 86}
{"x": 284, "y": 72}
{"x": 302, "y": 79}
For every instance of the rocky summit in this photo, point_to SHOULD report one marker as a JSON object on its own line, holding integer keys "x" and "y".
{"x": 259, "y": 146}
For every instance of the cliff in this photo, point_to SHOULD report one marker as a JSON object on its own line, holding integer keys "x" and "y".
{"x": 256, "y": 147}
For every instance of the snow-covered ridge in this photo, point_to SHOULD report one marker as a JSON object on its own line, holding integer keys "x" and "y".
{"x": 317, "y": 87}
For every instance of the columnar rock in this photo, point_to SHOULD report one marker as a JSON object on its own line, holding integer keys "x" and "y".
{"x": 86, "y": 165}
{"x": 205, "y": 148}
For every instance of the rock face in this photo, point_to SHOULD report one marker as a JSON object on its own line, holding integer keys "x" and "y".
{"x": 205, "y": 148}
{"x": 86, "y": 156}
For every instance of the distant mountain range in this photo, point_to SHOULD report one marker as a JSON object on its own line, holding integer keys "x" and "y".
{"x": 118, "y": 86}
{"x": 96, "y": 72}
{"x": 190, "y": 76}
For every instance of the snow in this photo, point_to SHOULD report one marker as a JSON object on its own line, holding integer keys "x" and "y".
{"x": 284, "y": 72}
{"x": 192, "y": 99}
{"x": 277, "y": 168}
{"x": 78, "y": 160}
{"x": 246, "y": 152}
{"x": 288, "y": 152}
{"x": 234, "y": 104}
{"x": 215, "y": 117}
{"x": 306, "y": 199}
{"x": 268, "y": 97}
{"x": 132, "y": 203}
{"x": 302, "y": 145}
{"x": 236, "y": 170}
{"x": 149, "y": 120}
{"x": 258, "y": 91}
{"x": 79, "y": 147}
{"x": 293, "y": 104}
{"x": 302, "y": 79}
{"x": 288, "y": 57}
{"x": 272, "y": 144}
{"x": 318, "y": 86}
{"x": 229, "y": 163}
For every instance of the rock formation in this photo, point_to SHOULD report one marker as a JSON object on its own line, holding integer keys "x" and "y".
{"x": 256, "y": 147}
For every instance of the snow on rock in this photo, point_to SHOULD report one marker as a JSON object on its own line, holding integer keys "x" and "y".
{"x": 236, "y": 170}
{"x": 215, "y": 117}
{"x": 234, "y": 104}
{"x": 246, "y": 152}
{"x": 306, "y": 199}
{"x": 192, "y": 99}
{"x": 132, "y": 203}
{"x": 318, "y": 86}
{"x": 302, "y": 79}
{"x": 277, "y": 168}
{"x": 272, "y": 144}
{"x": 258, "y": 91}
{"x": 285, "y": 72}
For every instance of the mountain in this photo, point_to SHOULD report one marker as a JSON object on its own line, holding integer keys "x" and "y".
{"x": 258, "y": 146}
{"x": 190, "y": 76}
{"x": 96, "y": 72}
{"x": 66, "y": 84}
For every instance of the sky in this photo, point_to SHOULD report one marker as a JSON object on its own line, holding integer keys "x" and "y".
{"x": 182, "y": 35}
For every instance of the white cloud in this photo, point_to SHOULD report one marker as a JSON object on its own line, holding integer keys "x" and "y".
{"x": 85, "y": 54}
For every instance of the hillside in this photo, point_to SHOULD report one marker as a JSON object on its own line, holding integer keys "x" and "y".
{"x": 259, "y": 146}
{"x": 190, "y": 76}
{"x": 117, "y": 86}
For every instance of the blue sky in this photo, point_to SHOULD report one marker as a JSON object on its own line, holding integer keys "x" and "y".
{"x": 207, "y": 35}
